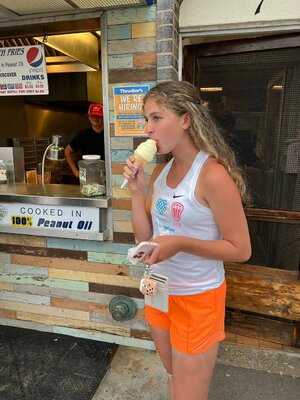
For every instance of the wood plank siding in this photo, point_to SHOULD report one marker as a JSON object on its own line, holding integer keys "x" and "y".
{"x": 73, "y": 292}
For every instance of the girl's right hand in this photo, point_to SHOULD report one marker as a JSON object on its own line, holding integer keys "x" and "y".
{"x": 134, "y": 173}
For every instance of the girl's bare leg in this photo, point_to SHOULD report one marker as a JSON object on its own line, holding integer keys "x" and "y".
{"x": 161, "y": 339}
{"x": 192, "y": 374}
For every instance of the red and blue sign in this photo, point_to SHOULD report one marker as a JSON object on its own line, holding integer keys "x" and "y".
{"x": 34, "y": 57}
{"x": 23, "y": 71}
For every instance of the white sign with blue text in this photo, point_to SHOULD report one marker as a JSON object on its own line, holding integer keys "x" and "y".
{"x": 52, "y": 220}
{"x": 23, "y": 71}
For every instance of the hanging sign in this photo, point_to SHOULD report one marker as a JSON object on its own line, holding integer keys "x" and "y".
{"x": 128, "y": 104}
{"x": 23, "y": 71}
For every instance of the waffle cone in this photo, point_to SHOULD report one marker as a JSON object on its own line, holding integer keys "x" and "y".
{"x": 139, "y": 160}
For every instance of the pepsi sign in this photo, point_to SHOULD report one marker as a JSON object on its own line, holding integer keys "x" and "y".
{"x": 23, "y": 71}
{"x": 34, "y": 56}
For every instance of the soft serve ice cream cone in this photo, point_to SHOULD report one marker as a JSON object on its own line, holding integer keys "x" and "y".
{"x": 144, "y": 153}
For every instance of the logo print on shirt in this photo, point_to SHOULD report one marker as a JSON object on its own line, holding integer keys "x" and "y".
{"x": 177, "y": 210}
{"x": 161, "y": 206}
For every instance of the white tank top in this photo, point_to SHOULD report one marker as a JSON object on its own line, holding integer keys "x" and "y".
{"x": 178, "y": 212}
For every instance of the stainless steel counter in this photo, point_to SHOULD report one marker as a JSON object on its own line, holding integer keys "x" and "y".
{"x": 68, "y": 195}
{"x": 54, "y": 211}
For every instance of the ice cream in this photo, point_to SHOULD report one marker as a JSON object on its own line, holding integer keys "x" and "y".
{"x": 144, "y": 153}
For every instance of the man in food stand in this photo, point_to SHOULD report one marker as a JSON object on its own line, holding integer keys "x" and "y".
{"x": 88, "y": 141}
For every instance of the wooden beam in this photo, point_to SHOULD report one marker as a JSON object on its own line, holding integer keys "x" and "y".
{"x": 259, "y": 327}
{"x": 42, "y": 252}
{"x": 263, "y": 290}
{"x": 284, "y": 216}
{"x": 248, "y": 45}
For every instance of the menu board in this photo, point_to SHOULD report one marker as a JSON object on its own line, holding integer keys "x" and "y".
{"x": 23, "y": 71}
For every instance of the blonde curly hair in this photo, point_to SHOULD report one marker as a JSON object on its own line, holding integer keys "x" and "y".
{"x": 183, "y": 97}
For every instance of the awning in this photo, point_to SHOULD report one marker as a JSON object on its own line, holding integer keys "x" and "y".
{"x": 13, "y": 13}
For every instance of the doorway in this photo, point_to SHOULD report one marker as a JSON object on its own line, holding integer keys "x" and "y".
{"x": 254, "y": 95}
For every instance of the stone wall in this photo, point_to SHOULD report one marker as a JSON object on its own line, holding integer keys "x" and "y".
{"x": 167, "y": 39}
{"x": 131, "y": 50}
{"x": 142, "y": 47}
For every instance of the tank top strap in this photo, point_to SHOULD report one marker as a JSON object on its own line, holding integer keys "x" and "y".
{"x": 193, "y": 173}
{"x": 163, "y": 173}
{"x": 197, "y": 166}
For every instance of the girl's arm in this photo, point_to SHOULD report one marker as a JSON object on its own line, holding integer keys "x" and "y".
{"x": 141, "y": 220}
{"x": 140, "y": 200}
{"x": 222, "y": 197}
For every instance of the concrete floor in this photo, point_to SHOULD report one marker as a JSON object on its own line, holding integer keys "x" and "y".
{"x": 46, "y": 366}
{"x": 138, "y": 375}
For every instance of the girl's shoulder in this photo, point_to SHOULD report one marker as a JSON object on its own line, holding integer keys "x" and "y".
{"x": 213, "y": 169}
{"x": 214, "y": 175}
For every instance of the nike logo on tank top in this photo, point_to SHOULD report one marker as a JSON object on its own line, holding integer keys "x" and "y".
{"x": 178, "y": 212}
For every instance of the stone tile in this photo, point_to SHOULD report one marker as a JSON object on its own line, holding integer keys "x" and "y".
{"x": 165, "y": 5}
{"x": 124, "y": 143}
{"x": 120, "y": 61}
{"x": 165, "y": 74}
{"x": 165, "y": 46}
{"x": 165, "y": 60}
{"x": 146, "y": 29}
{"x": 164, "y": 32}
{"x": 132, "y": 75}
{"x": 119, "y": 32}
{"x": 165, "y": 18}
{"x": 131, "y": 46}
{"x": 144, "y": 60}
{"x": 131, "y": 15}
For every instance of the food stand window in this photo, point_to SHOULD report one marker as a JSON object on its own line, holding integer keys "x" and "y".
{"x": 58, "y": 210}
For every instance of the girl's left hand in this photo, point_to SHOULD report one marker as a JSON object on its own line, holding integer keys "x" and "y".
{"x": 167, "y": 247}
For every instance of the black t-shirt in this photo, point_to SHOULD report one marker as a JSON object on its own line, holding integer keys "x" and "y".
{"x": 89, "y": 142}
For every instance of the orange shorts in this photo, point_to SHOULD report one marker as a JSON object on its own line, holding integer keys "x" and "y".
{"x": 195, "y": 322}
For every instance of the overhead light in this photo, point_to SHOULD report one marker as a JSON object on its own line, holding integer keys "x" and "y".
{"x": 211, "y": 89}
{"x": 277, "y": 87}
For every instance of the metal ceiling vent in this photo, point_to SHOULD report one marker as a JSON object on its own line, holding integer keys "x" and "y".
{"x": 105, "y": 3}
{"x": 22, "y": 7}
